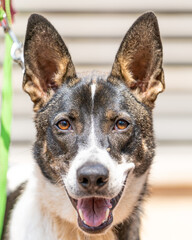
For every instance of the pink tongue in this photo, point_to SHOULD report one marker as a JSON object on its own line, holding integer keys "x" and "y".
{"x": 94, "y": 210}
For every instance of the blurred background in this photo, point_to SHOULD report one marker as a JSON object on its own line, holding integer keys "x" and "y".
{"x": 93, "y": 31}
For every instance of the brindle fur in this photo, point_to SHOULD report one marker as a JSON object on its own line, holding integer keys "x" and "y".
{"x": 132, "y": 86}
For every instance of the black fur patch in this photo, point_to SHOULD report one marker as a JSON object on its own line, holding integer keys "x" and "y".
{"x": 11, "y": 200}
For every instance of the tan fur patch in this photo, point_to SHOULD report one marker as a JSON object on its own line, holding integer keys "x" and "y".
{"x": 126, "y": 74}
{"x": 110, "y": 114}
{"x": 144, "y": 145}
{"x": 44, "y": 147}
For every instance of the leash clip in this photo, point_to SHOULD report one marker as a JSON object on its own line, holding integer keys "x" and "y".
{"x": 17, "y": 47}
{"x": 17, "y": 50}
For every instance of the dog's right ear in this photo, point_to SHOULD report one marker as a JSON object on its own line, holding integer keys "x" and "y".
{"x": 48, "y": 63}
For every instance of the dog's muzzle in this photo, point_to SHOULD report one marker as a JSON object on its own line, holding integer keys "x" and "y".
{"x": 95, "y": 212}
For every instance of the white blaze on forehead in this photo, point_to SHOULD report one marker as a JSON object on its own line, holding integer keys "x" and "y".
{"x": 93, "y": 88}
{"x": 92, "y": 137}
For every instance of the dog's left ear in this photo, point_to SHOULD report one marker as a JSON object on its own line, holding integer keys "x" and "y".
{"x": 47, "y": 61}
{"x": 139, "y": 60}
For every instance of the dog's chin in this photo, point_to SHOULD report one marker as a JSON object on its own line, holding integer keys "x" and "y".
{"x": 95, "y": 214}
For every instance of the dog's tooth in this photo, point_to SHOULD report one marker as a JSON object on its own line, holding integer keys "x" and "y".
{"x": 81, "y": 214}
{"x": 85, "y": 222}
{"x": 107, "y": 214}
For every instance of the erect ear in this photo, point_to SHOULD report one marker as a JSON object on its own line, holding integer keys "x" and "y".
{"x": 139, "y": 60}
{"x": 47, "y": 61}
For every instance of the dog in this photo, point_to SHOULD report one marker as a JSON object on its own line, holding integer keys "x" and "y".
{"x": 94, "y": 142}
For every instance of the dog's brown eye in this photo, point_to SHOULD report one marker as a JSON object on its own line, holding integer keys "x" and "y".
{"x": 64, "y": 125}
{"x": 121, "y": 124}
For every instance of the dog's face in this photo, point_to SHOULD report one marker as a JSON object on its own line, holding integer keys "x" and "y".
{"x": 94, "y": 132}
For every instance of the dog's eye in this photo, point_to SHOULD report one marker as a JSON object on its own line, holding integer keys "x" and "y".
{"x": 64, "y": 125}
{"x": 121, "y": 124}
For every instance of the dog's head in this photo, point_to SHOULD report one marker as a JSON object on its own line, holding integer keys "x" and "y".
{"x": 94, "y": 132}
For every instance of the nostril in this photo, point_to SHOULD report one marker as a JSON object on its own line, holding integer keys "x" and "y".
{"x": 101, "y": 181}
{"x": 84, "y": 181}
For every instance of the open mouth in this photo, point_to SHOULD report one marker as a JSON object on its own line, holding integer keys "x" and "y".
{"x": 95, "y": 214}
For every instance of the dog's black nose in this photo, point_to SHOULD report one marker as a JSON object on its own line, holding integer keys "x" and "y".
{"x": 92, "y": 176}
